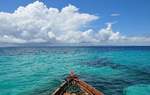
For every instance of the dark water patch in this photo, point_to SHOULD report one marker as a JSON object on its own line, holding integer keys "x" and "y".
{"x": 141, "y": 69}
{"x": 102, "y": 62}
{"x": 131, "y": 75}
{"x": 107, "y": 86}
{"x": 113, "y": 86}
{"x": 98, "y": 63}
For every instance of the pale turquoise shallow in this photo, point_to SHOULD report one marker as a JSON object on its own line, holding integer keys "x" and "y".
{"x": 40, "y": 70}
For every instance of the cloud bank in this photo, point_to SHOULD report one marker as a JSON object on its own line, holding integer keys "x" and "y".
{"x": 36, "y": 23}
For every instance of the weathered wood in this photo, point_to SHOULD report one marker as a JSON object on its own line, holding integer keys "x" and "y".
{"x": 89, "y": 89}
{"x": 73, "y": 79}
{"x": 61, "y": 89}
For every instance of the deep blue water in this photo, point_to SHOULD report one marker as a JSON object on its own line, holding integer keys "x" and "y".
{"x": 40, "y": 70}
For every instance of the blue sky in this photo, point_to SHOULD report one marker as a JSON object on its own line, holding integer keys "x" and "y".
{"x": 131, "y": 18}
{"x": 134, "y": 16}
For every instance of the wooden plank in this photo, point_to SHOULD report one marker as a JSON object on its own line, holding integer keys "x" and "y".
{"x": 89, "y": 89}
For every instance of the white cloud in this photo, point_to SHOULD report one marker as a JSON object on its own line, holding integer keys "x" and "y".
{"x": 35, "y": 23}
{"x": 115, "y": 14}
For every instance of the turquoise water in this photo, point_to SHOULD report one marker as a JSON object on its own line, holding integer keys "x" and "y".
{"x": 40, "y": 70}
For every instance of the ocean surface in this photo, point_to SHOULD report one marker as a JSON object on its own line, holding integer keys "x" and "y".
{"x": 117, "y": 70}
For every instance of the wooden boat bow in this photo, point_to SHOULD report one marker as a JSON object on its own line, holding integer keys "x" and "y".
{"x": 72, "y": 79}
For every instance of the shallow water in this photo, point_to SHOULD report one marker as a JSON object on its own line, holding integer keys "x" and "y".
{"x": 40, "y": 70}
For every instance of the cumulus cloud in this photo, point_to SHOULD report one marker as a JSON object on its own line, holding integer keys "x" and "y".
{"x": 36, "y": 23}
